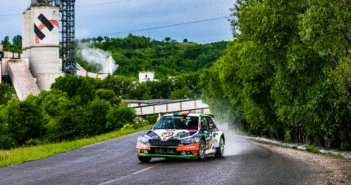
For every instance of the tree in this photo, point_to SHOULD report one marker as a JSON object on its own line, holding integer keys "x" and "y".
{"x": 6, "y": 140}
{"x": 82, "y": 87}
{"x": 185, "y": 40}
{"x": 110, "y": 96}
{"x": 118, "y": 117}
{"x": 168, "y": 39}
{"x": 6, "y": 91}
{"x": 67, "y": 125}
{"x": 17, "y": 40}
{"x": 6, "y": 42}
{"x": 25, "y": 120}
{"x": 182, "y": 93}
{"x": 99, "y": 39}
{"x": 326, "y": 27}
{"x": 95, "y": 117}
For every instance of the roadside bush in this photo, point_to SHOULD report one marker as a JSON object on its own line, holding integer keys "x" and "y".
{"x": 313, "y": 149}
{"x": 25, "y": 119}
{"x": 118, "y": 117}
{"x": 6, "y": 141}
{"x": 287, "y": 136}
{"x": 95, "y": 117}
{"x": 140, "y": 124}
{"x": 65, "y": 126}
{"x": 32, "y": 142}
{"x": 6, "y": 91}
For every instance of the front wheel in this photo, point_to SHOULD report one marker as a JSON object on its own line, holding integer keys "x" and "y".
{"x": 144, "y": 159}
{"x": 201, "y": 151}
{"x": 220, "y": 149}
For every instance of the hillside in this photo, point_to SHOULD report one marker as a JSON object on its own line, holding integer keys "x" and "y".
{"x": 165, "y": 58}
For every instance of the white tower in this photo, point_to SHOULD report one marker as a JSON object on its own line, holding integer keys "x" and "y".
{"x": 41, "y": 43}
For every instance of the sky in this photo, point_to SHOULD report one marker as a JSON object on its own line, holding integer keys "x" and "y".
{"x": 118, "y": 18}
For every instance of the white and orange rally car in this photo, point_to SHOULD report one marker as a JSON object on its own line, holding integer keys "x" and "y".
{"x": 182, "y": 135}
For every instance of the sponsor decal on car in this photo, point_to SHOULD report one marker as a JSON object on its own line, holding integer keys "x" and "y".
{"x": 191, "y": 147}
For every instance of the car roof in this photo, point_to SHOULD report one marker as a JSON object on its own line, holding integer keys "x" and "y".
{"x": 190, "y": 114}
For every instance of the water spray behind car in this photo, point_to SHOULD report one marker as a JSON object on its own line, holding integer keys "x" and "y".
{"x": 228, "y": 123}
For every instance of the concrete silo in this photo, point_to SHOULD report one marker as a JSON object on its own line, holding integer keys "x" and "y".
{"x": 41, "y": 43}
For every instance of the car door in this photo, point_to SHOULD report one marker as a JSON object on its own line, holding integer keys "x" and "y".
{"x": 205, "y": 129}
{"x": 211, "y": 130}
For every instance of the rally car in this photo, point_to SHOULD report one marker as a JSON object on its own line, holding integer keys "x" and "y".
{"x": 182, "y": 135}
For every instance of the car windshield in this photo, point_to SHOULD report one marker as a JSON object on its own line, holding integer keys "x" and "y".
{"x": 177, "y": 122}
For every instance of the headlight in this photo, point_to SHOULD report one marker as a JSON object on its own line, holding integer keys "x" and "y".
{"x": 190, "y": 140}
{"x": 143, "y": 139}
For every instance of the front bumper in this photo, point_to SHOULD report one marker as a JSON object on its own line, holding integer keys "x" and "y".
{"x": 168, "y": 156}
{"x": 183, "y": 151}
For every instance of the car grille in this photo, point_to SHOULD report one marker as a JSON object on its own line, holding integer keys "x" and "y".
{"x": 155, "y": 142}
{"x": 165, "y": 151}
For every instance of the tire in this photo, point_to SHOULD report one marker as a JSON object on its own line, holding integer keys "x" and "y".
{"x": 144, "y": 159}
{"x": 220, "y": 149}
{"x": 201, "y": 152}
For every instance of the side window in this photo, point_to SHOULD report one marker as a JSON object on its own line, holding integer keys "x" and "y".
{"x": 210, "y": 123}
{"x": 204, "y": 124}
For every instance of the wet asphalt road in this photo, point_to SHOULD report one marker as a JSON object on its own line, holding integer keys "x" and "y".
{"x": 115, "y": 162}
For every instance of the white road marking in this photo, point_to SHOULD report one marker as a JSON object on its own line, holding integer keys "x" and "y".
{"x": 113, "y": 180}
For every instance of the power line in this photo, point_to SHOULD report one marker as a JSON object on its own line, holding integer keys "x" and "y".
{"x": 166, "y": 26}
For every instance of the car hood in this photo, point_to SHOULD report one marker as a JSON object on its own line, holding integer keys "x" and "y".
{"x": 165, "y": 134}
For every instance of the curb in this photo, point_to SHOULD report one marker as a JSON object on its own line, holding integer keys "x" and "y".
{"x": 346, "y": 154}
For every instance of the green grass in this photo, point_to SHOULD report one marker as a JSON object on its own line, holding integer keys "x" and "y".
{"x": 312, "y": 149}
{"x": 29, "y": 153}
{"x": 294, "y": 147}
{"x": 337, "y": 155}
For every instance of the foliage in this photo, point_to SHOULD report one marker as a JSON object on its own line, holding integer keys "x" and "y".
{"x": 117, "y": 117}
{"x": 312, "y": 149}
{"x": 110, "y": 96}
{"x": 95, "y": 117}
{"x": 81, "y": 87}
{"x": 287, "y": 69}
{"x": 24, "y": 120}
{"x": 287, "y": 136}
{"x": 182, "y": 93}
{"x": 16, "y": 47}
{"x": 6, "y": 91}
{"x": 139, "y": 53}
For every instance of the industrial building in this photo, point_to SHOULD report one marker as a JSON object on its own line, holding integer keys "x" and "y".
{"x": 40, "y": 64}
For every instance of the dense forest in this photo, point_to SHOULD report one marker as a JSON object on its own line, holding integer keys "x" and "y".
{"x": 286, "y": 75}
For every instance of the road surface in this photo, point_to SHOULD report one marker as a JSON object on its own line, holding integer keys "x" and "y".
{"x": 115, "y": 162}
